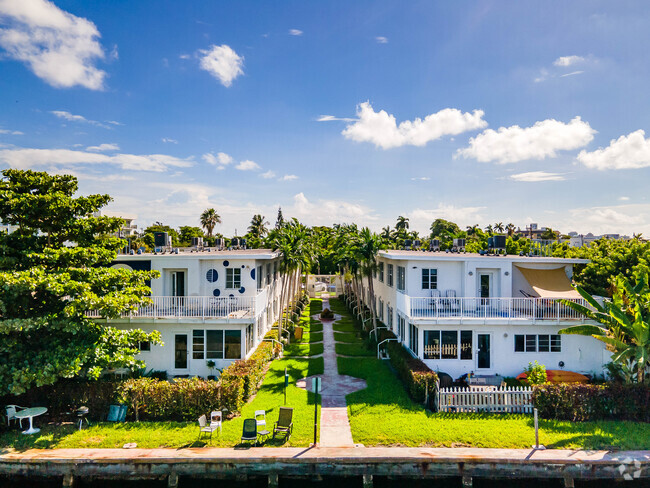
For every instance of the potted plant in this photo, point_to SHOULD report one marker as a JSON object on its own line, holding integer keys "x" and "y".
{"x": 211, "y": 365}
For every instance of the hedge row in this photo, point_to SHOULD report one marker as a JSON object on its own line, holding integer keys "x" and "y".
{"x": 416, "y": 376}
{"x": 578, "y": 402}
{"x": 249, "y": 372}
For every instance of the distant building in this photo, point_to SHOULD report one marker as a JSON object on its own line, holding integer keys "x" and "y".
{"x": 129, "y": 229}
{"x": 8, "y": 228}
{"x": 579, "y": 240}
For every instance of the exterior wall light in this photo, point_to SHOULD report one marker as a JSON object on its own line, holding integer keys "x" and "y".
{"x": 471, "y": 273}
{"x": 507, "y": 273}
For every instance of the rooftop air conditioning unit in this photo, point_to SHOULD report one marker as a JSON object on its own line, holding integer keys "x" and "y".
{"x": 220, "y": 243}
{"x": 234, "y": 242}
{"x": 407, "y": 244}
{"x": 417, "y": 244}
{"x": 160, "y": 239}
{"x": 197, "y": 241}
{"x": 242, "y": 243}
{"x": 434, "y": 245}
{"x": 459, "y": 245}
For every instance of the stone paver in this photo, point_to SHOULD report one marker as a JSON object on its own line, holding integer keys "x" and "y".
{"x": 334, "y": 422}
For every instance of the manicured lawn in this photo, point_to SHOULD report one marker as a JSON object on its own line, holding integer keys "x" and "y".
{"x": 299, "y": 349}
{"x": 308, "y": 337}
{"x": 346, "y": 337}
{"x": 357, "y": 349}
{"x": 344, "y": 325}
{"x": 383, "y": 414}
{"x": 184, "y": 434}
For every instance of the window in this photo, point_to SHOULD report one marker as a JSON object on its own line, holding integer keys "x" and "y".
{"x": 538, "y": 343}
{"x": 268, "y": 273}
{"x": 233, "y": 277}
{"x": 145, "y": 346}
{"x": 445, "y": 344}
{"x": 214, "y": 346}
{"x": 381, "y": 272}
{"x": 401, "y": 326}
{"x": 401, "y": 278}
{"x": 429, "y": 279}
{"x": 389, "y": 312}
{"x": 260, "y": 270}
{"x": 232, "y": 344}
{"x": 413, "y": 339}
{"x": 390, "y": 275}
{"x": 198, "y": 344}
{"x": 249, "y": 338}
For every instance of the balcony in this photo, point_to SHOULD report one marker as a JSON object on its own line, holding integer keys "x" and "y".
{"x": 488, "y": 309}
{"x": 200, "y": 308}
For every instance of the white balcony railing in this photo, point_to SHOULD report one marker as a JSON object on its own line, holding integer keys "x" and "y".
{"x": 200, "y": 307}
{"x": 488, "y": 308}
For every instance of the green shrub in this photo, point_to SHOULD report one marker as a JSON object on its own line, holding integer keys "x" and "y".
{"x": 327, "y": 314}
{"x": 535, "y": 374}
{"x": 580, "y": 402}
{"x": 416, "y": 376}
{"x": 250, "y": 371}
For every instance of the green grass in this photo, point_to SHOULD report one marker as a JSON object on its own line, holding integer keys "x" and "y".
{"x": 383, "y": 414}
{"x": 357, "y": 349}
{"x": 185, "y": 434}
{"x": 346, "y": 337}
{"x": 337, "y": 306}
{"x": 299, "y": 349}
{"x": 308, "y": 337}
{"x": 344, "y": 327}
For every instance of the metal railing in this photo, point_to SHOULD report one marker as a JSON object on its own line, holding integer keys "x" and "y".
{"x": 200, "y": 307}
{"x": 490, "y": 308}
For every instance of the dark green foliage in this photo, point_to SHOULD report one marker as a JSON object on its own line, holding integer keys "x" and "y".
{"x": 416, "y": 376}
{"x": 578, "y": 402}
{"x": 327, "y": 314}
{"x": 250, "y": 372}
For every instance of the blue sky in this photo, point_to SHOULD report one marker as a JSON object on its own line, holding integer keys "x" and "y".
{"x": 338, "y": 111}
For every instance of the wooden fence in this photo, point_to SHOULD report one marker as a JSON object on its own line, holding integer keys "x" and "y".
{"x": 486, "y": 399}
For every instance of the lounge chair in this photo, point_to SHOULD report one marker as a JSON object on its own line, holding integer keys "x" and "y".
{"x": 452, "y": 302}
{"x": 250, "y": 431}
{"x": 10, "y": 411}
{"x": 216, "y": 419}
{"x": 204, "y": 427}
{"x": 284, "y": 425}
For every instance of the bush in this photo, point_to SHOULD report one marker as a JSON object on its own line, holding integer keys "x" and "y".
{"x": 535, "y": 374}
{"x": 250, "y": 371}
{"x": 579, "y": 402}
{"x": 327, "y": 314}
{"x": 416, "y": 376}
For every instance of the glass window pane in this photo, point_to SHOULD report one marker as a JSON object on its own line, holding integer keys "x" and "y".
{"x": 543, "y": 343}
{"x": 198, "y": 342}
{"x": 531, "y": 343}
{"x": 425, "y": 279}
{"x": 180, "y": 351}
{"x": 431, "y": 344}
{"x": 433, "y": 279}
{"x": 214, "y": 340}
{"x": 233, "y": 344}
{"x": 519, "y": 343}
{"x": 449, "y": 344}
{"x": 466, "y": 344}
{"x": 556, "y": 343}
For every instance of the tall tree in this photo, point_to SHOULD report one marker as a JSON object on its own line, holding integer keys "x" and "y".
{"x": 367, "y": 247}
{"x": 402, "y": 224}
{"x": 256, "y": 231}
{"x": 209, "y": 219}
{"x": 279, "y": 221}
{"x": 53, "y": 270}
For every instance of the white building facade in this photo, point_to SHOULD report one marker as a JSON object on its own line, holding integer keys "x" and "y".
{"x": 208, "y": 306}
{"x": 468, "y": 313}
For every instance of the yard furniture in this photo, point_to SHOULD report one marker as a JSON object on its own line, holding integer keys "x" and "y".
{"x": 116, "y": 413}
{"x": 82, "y": 413}
{"x": 204, "y": 427}
{"x": 10, "y": 411}
{"x": 260, "y": 418}
{"x": 30, "y": 413}
{"x": 216, "y": 419}
{"x": 250, "y": 431}
{"x": 284, "y": 425}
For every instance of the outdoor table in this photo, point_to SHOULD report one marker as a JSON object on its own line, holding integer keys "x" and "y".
{"x": 263, "y": 435}
{"x": 30, "y": 413}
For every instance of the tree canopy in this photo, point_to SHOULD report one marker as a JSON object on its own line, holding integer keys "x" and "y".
{"x": 53, "y": 270}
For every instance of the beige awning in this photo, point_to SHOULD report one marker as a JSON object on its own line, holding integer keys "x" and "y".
{"x": 549, "y": 283}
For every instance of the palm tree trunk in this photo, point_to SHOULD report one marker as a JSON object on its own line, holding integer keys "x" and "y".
{"x": 373, "y": 310}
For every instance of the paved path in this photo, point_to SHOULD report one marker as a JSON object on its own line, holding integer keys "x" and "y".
{"x": 334, "y": 422}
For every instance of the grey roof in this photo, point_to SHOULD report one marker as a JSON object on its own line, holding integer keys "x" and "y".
{"x": 461, "y": 256}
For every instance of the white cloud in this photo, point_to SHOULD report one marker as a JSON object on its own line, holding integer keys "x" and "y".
{"x": 381, "y": 129}
{"x": 537, "y": 176}
{"x": 624, "y": 199}
{"x": 220, "y": 160}
{"x": 327, "y": 212}
{"x": 381, "y": 40}
{"x": 295, "y": 32}
{"x": 330, "y": 118}
{"x": 568, "y": 60}
{"x": 222, "y": 62}
{"x": 421, "y": 178}
{"x": 289, "y": 178}
{"x": 248, "y": 165}
{"x": 114, "y": 122}
{"x": 184, "y": 56}
{"x": 573, "y": 73}
{"x": 60, "y": 48}
{"x": 114, "y": 54}
{"x": 168, "y": 140}
{"x": 623, "y": 219}
{"x": 268, "y": 174}
{"x": 103, "y": 147}
{"x": 62, "y": 114}
{"x": 626, "y": 152}
{"x": 514, "y": 144}
{"x": 30, "y": 158}
{"x": 421, "y": 218}
{"x": 11, "y": 132}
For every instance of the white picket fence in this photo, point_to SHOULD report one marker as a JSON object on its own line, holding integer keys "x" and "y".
{"x": 486, "y": 399}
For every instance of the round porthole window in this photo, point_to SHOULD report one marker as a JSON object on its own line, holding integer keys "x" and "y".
{"x": 216, "y": 292}
{"x": 253, "y": 273}
{"x": 242, "y": 290}
{"x": 226, "y": 263}
{"x": 212, "y": 275}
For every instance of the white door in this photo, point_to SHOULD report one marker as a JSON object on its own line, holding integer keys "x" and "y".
{"x": 181, "y": 358}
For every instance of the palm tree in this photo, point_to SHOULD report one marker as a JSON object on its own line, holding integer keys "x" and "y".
{"x": 489, "y": 229}
{"x": 625, "y": 324}
{"x": 511, "y": 229}
{"x": 471, "y": 229}
{"x": 367, "y": 248}
{"x": 498, "y": 227}
{"x": 209, "y": 219}
{"x": 402, "y": 224}
{"x": 258, "y": 226}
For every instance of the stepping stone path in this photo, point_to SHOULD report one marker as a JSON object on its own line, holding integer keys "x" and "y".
{"x": 334, "y": 422}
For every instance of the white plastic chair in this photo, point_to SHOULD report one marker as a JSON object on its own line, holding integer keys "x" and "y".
{"x": 204, "y": 427}
{"x": 261, "y": 422}
{"x": 10, "y": 411}
{"x": 216, "y": 418}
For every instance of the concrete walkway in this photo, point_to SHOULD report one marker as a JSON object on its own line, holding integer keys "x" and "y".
{"x": 334, "y": 422}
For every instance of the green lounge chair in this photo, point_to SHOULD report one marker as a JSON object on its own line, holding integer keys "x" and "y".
{"x": 250, "y": 431}
{"x": 284, "y": 425}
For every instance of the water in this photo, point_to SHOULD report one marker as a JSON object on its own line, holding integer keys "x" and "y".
{"x": 326, "y": 482}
